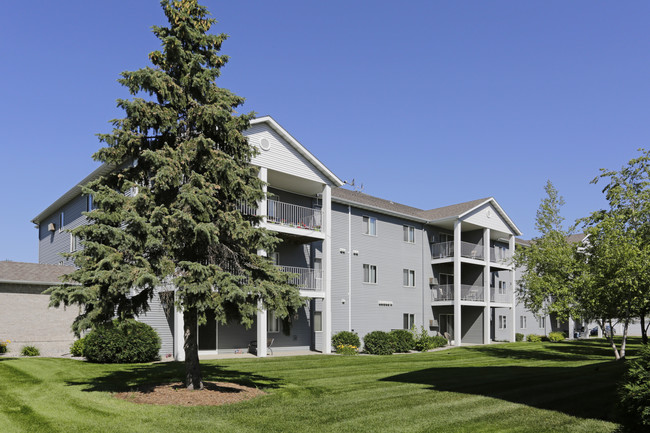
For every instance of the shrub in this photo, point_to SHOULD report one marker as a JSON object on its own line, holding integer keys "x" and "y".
{"x": 532, "y": 338}
{"x": 3, "y": 346}
{"x": 423, "y": 341}
{"x": 634, "y": 394}
{"x": 378, "y": 343}
{"x": 345, "y": 338}
{"x": 556, "y": 336}
{"x": 30, "y": 351}
{"x": 122, "y": 342}
{"x": 403, "y": 340}
{"x": 346, "y": 349}
{"x": 439, "y": 341}
{"x": 77, "y": 348}
{"x": 519, "y": 336}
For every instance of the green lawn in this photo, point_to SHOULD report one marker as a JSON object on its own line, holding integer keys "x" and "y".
{"x": 523, "y": 387}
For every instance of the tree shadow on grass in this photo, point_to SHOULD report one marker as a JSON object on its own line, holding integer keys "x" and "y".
{"x": 128, "y": 377}
{"x": 587, "y": 391}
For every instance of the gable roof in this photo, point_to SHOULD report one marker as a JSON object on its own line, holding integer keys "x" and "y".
{"x": 299, "y": 147}
{"x": 32, "y": 273}
{"x": 453, "y": 211}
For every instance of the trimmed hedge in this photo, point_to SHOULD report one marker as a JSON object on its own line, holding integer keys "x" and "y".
{"x": 403, "y": 340}
{"x": 123, "y": 341}
{"x": 634, "y": 394}
{"x": 345, "y": 338}
{"x": 378, "y": 343}
{"x": 532, "y": 338}
{"x": 555, "y": 337}
{"x": 439, "y": 341}
{"x": 519, "y": 336}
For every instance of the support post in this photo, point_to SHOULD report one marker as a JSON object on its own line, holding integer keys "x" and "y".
{"x": 327, "y": 269}
{"x": 179, "y": 333}
{"x": 457, "y": 278}
{"x": 486, "y": 286}
{"x": 261, "y": 205}
{"x": 513, "y": 297}
{"x": 261, "y": 329}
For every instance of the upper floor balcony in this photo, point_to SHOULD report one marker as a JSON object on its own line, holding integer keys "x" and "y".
{"x": 304, "y": 278}
{"x": 293, "y": 215}
{"x": 467, "y": 249}
{"x": 468, "y": 292}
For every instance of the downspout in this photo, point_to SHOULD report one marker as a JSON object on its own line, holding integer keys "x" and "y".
{"x": 349, "y": 268}
{"x": 425, "y": 241}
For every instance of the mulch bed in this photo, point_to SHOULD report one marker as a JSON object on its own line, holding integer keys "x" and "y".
{"x": 212, "y": 394}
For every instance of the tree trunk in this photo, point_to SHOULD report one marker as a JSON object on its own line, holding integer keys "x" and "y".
{"x": 610, "y": 337}
{"x": 192, "y": 366}
{"x": 644, "y": 329}
{"x": 625, "y": 327}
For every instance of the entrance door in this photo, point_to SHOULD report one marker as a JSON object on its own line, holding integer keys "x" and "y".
{"x": 208, "y": 333}
{"x": 447, "y": 324}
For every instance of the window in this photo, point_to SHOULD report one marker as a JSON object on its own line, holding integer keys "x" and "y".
{"x": 370, "y": 226}
{"x": 541, "y": 322}
{"x": 370, "y": 274}
{"x": 522, "y": 322}
{"x": 73, "y": 243}
{"x": 409, "y": 321}
{"x": 273, "y": 323}
{"x": 502, "y": 322}
{"x": 409, "y": 278}
{"x": 318, "y": 321}
{"x": 61, "y": 221}
{"x": 89, "y": 202}
{"x": 409, "y": 234}
{"x": 502, "y": 287}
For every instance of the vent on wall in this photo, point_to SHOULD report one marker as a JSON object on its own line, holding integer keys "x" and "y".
{"x": 265, "y": 144}
{"x": 385, "y": 303}
{"x": 51, "y": 227}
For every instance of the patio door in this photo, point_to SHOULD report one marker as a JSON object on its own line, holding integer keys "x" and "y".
{"x": 447, "y": 324}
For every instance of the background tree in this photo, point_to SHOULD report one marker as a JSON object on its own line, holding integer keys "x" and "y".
{"x": 171, "y": 210}
{"x": 549, "y": 265}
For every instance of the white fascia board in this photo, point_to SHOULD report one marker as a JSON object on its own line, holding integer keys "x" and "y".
{"x": 378, "y": 210}
{"x": 73, "y": 192}
{"x": 299, "y": 147}
{"x": 499, "y": 209}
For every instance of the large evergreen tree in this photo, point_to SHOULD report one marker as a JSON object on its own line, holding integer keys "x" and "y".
{"x": 171, "y": 211}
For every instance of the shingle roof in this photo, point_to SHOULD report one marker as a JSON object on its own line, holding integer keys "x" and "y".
{"x": 32, "y": 272}
{"x": 578, "y": 237}
{"x": 380, "y": 203}
{"x": 453, "y": 210}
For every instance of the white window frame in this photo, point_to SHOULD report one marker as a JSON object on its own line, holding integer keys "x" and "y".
{"x": 409, "y": 234}
{"x": 272, "y": 323}
{"x": 89, "y": 202}
{"x": 318, "y": 321}
{"x": 369, "y": 226}
{"x": 523, "y": 322}
{"x": 73, "y": 243}
{"x": 369, "y": 274}
{"x": 503, "y": 324}
{"x": 61, "y": 221}
{"x": 408, "y": 319}
{"x": 541, "y": 322}
{"x": 408, "y": 277}
{"x": 502, "y": 288}
{"x": 274, "y": 256}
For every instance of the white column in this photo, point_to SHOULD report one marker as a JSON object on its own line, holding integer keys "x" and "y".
{"x": 513, "y": 297}
{"x": 486, "y": 286}
{"x": 327, "y": 269}
{"x": 179, "y": 334}
{"x": 261, "y": 330}
{"x": 457, "y": 277}
{"x": 571, "y": 327}
{"x": 261, "y": 206}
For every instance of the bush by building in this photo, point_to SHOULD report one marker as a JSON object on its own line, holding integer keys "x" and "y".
{"x": 554, "y": 337}
{"x": 345, "y": 338}
{"x": 122, "y": 342}
{"x": 378, "y": 343}
{"x": 634, "y": 394}
{"x": 30, "y": 351}
{"x": 532, "y": 338}
{"x": 403, "y": 340}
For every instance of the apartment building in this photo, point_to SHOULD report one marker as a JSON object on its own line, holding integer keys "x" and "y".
{"x": 362, "y": 263}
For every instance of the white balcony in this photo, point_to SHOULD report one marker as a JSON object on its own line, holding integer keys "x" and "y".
{"x": 468, "y": 292}
{"x": 499, "y": 255}
{"x": 306, "y": 278}
{"x": 292, "y": 215}
{"x": 500, "y": 296}
{"x": 467, "y": 249}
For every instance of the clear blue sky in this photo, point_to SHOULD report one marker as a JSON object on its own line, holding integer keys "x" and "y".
{"x": 427, "y": 103}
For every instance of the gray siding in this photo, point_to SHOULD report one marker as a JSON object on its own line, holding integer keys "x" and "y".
{"x": 472, "y": 325}
{"x": 52, "y": 244}
{"x": 161, "y": 318}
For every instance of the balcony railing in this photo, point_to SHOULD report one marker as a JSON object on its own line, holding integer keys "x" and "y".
{"x": 499, "y": 255}
{"x": 467, "y": 249}
{"x": 292, "y": 215}
{"x": 468, "y": 292}
{"x": 306, "y": 279}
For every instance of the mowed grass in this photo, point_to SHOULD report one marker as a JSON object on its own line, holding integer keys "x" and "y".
{"x": 522, "y": 387}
